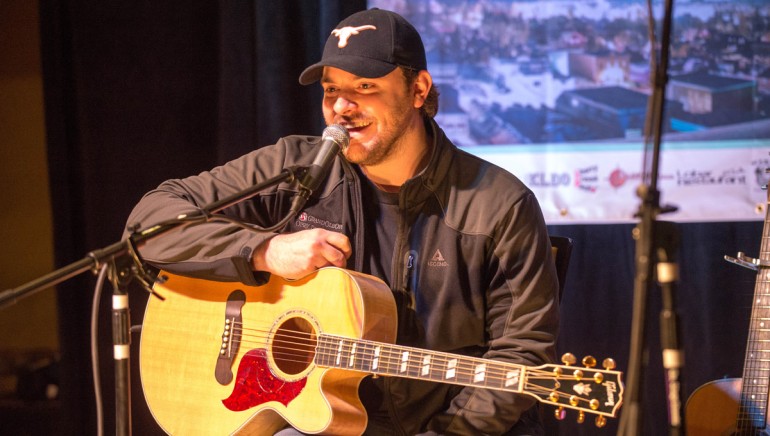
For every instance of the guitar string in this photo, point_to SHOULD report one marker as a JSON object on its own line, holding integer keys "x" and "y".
{"x": 393, "y": 354}
{"x": 491, "y": 369}
{"x": 495, "y": 371}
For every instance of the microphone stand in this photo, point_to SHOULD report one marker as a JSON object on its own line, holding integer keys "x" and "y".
{"x": 124, "y": 264}
{"x": 654, "y": 240}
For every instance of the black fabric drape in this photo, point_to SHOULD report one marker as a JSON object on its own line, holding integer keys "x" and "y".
{"x": 143, "y": 91}
{"x": 139, "y": 92}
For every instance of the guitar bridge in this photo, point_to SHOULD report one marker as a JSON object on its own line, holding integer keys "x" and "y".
{"x": 231, "y": 337}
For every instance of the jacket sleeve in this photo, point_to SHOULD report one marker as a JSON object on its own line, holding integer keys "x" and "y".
{"x": 214, "y": 250}
{"x": 522, "y": 323}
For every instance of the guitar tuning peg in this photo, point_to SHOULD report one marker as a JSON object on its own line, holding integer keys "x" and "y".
{"x": 573, "y": 400}
{"x": 608, "y": 363}
{"x": 581, "y": 417}
{"x": 568, "y": 359}
{"x": 598, "y": 378}
{"x": 600, "y": 421}
{"x": 559, "y": 413}
{"x": 589, "y": 361}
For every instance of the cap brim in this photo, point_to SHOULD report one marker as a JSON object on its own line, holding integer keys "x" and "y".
{"x": 360, "y": 66}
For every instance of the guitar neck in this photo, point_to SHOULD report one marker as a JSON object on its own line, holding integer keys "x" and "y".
{"x": 756, "y": 369}
{"x": 400, "y": 361}
{"x": 586, "y": 389}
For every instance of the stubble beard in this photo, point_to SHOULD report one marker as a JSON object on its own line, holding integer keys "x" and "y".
{"x": 383, "y": 146}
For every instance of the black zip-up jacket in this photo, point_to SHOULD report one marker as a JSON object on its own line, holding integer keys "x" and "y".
{"x": 472, "y": 254}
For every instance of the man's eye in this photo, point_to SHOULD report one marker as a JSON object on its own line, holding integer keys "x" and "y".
{"x": 330, "y": 90}
{"x": 367, "y": 86}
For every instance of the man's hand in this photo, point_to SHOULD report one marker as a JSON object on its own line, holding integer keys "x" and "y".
{"x": 294, "y": 255}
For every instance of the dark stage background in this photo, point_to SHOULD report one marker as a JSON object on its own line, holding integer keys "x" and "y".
{"x": 139, "y": 92}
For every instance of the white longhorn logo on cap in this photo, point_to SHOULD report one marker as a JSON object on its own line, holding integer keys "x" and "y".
{"x": 346, "y": 32}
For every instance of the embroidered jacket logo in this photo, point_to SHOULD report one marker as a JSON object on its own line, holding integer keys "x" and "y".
{"x": 345, "y": 33}
{"x": 307, "y": 221}
{"x": 438, "y": 260}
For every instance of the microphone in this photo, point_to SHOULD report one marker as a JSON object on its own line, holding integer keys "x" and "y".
{"x": 333, "y": 139}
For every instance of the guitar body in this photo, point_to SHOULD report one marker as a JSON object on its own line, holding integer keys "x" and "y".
{"x": 712, "y": 409}
{"x": 224, "y": 358}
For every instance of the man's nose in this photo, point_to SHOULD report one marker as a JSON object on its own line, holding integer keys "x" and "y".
{"x": 343, "y": 105}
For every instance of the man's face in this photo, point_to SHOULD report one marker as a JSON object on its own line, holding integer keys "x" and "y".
{"x": 376, "y": 112}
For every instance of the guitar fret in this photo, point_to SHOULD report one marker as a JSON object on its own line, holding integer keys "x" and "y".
{"x": 339, "y": 353}
{"x": 425, "y": 369}
{"x": 451, "y": 369}
{"x": 352, "y": 359}
{"x": 480, "y": 373}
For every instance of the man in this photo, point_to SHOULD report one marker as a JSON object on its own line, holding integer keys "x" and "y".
{"x": 461, "y": 242}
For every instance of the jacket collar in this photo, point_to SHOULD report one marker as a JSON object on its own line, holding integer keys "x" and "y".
{"x": 420, "y": 187}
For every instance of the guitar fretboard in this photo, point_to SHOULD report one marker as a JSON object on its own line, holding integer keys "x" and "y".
{"x": 394, "y": 360}
{"x": 756, "y": 369}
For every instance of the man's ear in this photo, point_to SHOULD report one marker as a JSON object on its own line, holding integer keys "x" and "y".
{"x": 421, "y": 87}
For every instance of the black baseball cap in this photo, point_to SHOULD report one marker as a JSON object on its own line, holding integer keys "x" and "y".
{"x": 370, "y": 44}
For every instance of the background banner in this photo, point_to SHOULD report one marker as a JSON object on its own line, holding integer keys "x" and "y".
{"x": 557, "y": 92}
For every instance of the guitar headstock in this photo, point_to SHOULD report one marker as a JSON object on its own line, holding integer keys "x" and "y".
{"x": 587, "y": 389}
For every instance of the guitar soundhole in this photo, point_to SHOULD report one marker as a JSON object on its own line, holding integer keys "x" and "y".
{"x": 293, "y": 345}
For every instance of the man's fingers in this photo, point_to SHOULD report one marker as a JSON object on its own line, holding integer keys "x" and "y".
{"x": 335, "y": 250}
{"x": 340, "y": 242}
{"x": 293, "y": 255}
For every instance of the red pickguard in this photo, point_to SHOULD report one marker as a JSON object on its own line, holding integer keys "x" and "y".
{"x": 255, "y": 384}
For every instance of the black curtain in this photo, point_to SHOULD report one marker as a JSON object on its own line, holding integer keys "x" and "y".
{"x": 139, "y": 92}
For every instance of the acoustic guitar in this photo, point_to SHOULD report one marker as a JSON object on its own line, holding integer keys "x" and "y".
{"x": 223, "y": 358}
{"x": 738, "y": 406}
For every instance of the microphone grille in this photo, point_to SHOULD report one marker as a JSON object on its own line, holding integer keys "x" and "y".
{"x": 338, "y": 134}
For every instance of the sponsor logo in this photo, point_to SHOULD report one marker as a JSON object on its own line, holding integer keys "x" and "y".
{"x": 307, "y": 221}
{"x": 734, "y": 176}
{"x": 587, "y": 179}
{"x": 618, "y": 177}
{"x": 548, "y": 180}
{"x": 438, "y": 260}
